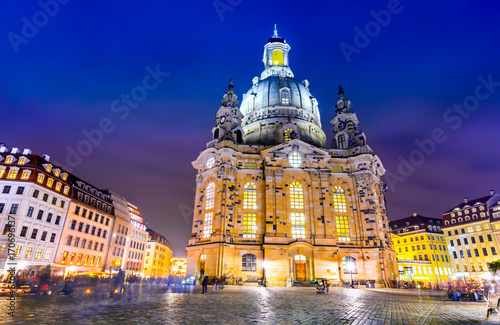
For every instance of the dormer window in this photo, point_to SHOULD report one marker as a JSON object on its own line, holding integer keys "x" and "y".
{"x": 10, "y": 159}
{"x": 285, "y": 96}
{"x": 2, "y": 171}
{"x": 13, "y": 173}
{"x": 50, "y": 181}
{"x": 40, "y": 178}
{"x": 65, "y": 176}
{"x": 58, "y": 186}
{"x": 48, "y": 168}
{"x": 66, "y": 190}
{"x": 26, "y": 174}
{"x": 57, "y": 172}
{"x": 22, "y": 161}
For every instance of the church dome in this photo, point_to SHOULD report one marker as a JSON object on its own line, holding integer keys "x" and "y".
{"x": 278, "y": 107}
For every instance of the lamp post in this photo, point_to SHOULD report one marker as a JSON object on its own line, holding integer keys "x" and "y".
{"x": 350, "y": 268}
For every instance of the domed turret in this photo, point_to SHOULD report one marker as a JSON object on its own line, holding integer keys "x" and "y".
{"x": 278, "y": 105}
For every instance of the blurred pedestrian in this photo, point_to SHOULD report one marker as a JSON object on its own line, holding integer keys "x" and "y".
{"x": 222, "y": 280}
{"x": 216, "y": 282}
{"x": 44, "y": 279}
{"x": 204, "y": 284}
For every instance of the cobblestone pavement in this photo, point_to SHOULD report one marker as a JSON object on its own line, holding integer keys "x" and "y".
{"x": 250, "y": 305}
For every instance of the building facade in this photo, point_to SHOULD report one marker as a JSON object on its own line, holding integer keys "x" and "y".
{"x": 35, "y": 195}
{"x": 87, "y": 231}
{"x": 471, "y": 230}
{"x": 421, "y": 251}
{"x": 272, "y": 201}
{"x": 137, "y": 242}
{"x": 158, "y": 255}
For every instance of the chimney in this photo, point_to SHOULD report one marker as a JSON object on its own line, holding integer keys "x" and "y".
{"x": 14, "y": 151}
{"x": 492, "y": 192}
{"x": 46, "y": 157}
{"x": 26, "y": 152}
{"x": 3, "y": 147}
{"x": 466, "y": 199}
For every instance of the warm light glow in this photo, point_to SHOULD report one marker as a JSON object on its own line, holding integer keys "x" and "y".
{"x": 277, "y": 57}
{"x": 342, "y": 224}
{"x": 250, "y": 196}
{"x": 339, "y": 200}
{"x": 210, "y": 195}
{"x": 296, "y": 196}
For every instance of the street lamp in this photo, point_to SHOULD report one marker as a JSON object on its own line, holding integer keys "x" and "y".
{"x": 350, "y": 268}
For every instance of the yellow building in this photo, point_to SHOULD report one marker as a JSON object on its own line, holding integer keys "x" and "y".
{"x": 472, "y": 230}
{"x": 158, "y": 256}
{"x": 421, "y": 251}
{"x": 178, "y": 266}
{"x": 273, "y": 201}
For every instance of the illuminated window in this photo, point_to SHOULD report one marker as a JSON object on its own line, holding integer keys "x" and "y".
{"x": 207, "y": 225}
{"x": 210, "y": 162}
{"x": 299, "y": 258}
{"x": 66, "y": 190}
{"x": 249, "y": 263}
{"x": 296, "y": 196}
{"x": 341, "y": 141}
{"x": 9, "y": 160}
{"x": 12, "y": 173}
{"x": 285, "y": 96}
{"x": 40, "y": 178}
{"x": 298, "y": 221}
{"x": 22, "y": 161}
{"x": 277, "y": 57}
{"x": 288, "y": 134}
{"x": 203, "y": 257}
{"x": 26, "y": 174}
{"x": 249, "y": 225}
{"x": 250, "y": 196}
{"x": 251, "y": 165}
{"x": 98, "y": 261}
{"x": 343, "y": 232}
{"x": 28, "y": 252}
{"x": 57, "y": 172}
{"x": 65, "y": 176}
{"x": 339, "y": 200}
{"x": 48, "y": 168}
{"x": 50, "y": 181}
{"x": 38, "y": 254}
{"x": 18, "y": 251}
{"x": 210, "y": 195}
{"x": 2, "y": 171}
{"x": 478, "y": 228}
{"x": 58, "y": 186}
{"x": 86, "y": 261}
{"x": 295, "y": 159}
{"x": 337, "y": 169}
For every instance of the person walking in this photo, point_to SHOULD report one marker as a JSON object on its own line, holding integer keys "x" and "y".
{"x": 222, "y": 280}
{"x": 491, "y": 292}
{"x": 204, "y": 284}
{"x": 216, "y": 282}
{"x": 44, "y": 277}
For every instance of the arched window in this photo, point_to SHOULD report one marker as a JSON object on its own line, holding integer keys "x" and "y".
{"x": 341, "y": 143}
{"x": 249, "y": 196}
{"x": 483, "y": 214}
{"x": 288, "y": 134}
{"x": 209, "y": 196}
{"x": 474, "y": 216}
{"x": 216, "y": 134}
{"x": 249, "y": 263}
{"x": 453, "y": 221}
{"x": 285, "y": 96}
{"x": 446, "y": 222}
{"x": 277, "y": 57}
{"x": 209, "y": 216}
{"x": 349, "y": 265}
{"x": 467, "y": 218}
{"x": 296, "y": 196}
{"x": 339, "y": 200}
{"x": 460, "y": 219}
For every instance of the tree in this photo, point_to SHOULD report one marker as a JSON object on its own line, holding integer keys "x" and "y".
{"x": 495, "y": 267}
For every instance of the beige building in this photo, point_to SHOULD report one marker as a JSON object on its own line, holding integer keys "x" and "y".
{"x": 472, "y": 234}
{"x": 86, "y": 233}
{"x": 272, "y": 200}
{"x": 158, "y": 256}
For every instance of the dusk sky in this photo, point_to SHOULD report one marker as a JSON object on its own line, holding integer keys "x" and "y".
{"x": 64, "y": 74}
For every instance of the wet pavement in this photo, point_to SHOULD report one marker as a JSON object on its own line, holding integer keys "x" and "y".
{"x": 249, "y": 305}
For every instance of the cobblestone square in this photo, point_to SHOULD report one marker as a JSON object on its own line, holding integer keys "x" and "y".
{"x": 250, "y": 305}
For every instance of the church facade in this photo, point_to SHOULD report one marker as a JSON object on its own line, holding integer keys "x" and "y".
{"x": 273, "y": 201}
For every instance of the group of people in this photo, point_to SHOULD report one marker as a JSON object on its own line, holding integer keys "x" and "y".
{"x": 218, "y": 282}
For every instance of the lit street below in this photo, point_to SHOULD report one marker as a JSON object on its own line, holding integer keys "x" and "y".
{"x": 251, "y": 305}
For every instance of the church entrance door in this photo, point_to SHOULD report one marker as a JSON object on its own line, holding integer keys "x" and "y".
{"x": 300, "y": 271}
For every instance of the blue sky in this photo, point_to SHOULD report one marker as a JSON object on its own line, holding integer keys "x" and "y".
{"x": 428, "y": 57}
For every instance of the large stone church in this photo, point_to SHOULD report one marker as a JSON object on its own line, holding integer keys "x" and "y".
{"x": 274, "y": 201}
